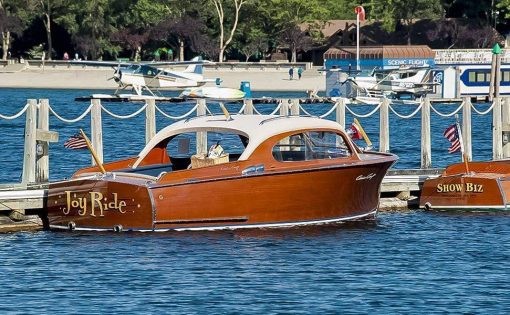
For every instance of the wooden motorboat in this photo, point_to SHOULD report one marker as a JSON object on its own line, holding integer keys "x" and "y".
{"x": 275, "y": 171}
{"x": 484, "y": 186}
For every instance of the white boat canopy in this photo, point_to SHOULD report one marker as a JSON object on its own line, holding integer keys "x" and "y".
{"x": 257, "y": 128}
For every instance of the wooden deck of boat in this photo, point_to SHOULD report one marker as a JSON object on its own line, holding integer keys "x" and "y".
{"x": 20, "y": 204}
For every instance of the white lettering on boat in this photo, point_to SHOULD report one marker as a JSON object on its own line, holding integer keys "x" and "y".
{"x": 367, "y": 177}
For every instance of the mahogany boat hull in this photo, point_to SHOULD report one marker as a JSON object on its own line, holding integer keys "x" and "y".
{"x": 269, "y": 199}
{"x": 486, "y": 187}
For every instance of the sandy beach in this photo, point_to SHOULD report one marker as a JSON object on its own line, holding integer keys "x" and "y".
{"x": 62, "y": 78}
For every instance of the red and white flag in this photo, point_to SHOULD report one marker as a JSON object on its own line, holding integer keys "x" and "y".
{"x": 76, "y": 142}
{"x": 360, "y": 12}
{"x": 354, "y": 132}
{"x": 452, "y": 134}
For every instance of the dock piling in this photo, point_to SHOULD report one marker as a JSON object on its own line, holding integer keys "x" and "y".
{"x": 150, "y": 120}
{"x": 340, "y": 111}
{"x": 426, "y": 155}
{"x": 30, "y": 143}
{"x": 96, "y": 130}
{"x": 201, "y": 136}
{"x": 497, "y": 135}
{"x": 466, "y": 126}
{"x": 248, "y": 108}
{"x": 384, "y": 126}
{"x": 42, "y": 157}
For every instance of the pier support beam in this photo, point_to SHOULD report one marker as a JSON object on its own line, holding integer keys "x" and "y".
{"x": 426, "y": 155}
{"x": 340, "y": 111}
{"x": 30, "y": 143}
{"x": 497, "y": 136}
{"x": 42, "y": 147}
{"x": 201, "y": 136}
{"x": 96, "y": 130}
{"x": 284, "y": 109}
{"x": 248, "y": 108}
{"x": 294, "y": 107}
{"x": 505, "y": 115}
{"x": 466, "y": 126}
{"x": 150, "y": 120}
{"x": 384, "y": 126}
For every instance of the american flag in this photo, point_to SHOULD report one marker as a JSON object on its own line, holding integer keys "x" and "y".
{"x": 452, "y": 134}
{"x": 76, "y": 142}
{"x": 354, "y": 132}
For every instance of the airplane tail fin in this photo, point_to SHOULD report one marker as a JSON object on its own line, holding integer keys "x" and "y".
{"x": 196, "y": 68}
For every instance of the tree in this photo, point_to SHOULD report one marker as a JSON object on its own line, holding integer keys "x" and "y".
{"x": 220, "y": 11}
{"x": 297, "y": 40}
{"x": 182, "y": 32}
{"x": 131, "y": 40}
{"x": 255, "y": 41}
{"x": 12, "y": 14}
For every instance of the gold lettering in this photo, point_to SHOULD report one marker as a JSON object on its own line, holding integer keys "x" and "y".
{"x": 480, "y": 188}
{"x": 439, "y": 188}
{"x": 122, "y": 203}
{"x": 470, "y": 187}
{"x": 96, "y": 197}
{"x": 75, "y": 203}
{"x": 68, "y": 209}
{"x": 458, "y": 187}
{"x": 113, "y": 204}
{"x": 83, "y": 206}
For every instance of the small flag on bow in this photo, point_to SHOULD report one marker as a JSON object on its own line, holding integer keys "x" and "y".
{"x": 354, "y": 132}
{"x": 76, "y": 142}
{"x": 452, "y": 134}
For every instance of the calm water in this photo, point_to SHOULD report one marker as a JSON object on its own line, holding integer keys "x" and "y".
{"x": 416, "y": 262}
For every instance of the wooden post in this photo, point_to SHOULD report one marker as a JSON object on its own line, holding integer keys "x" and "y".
{"x": 248, "y": 108}
{"x": 150, "y": 120}
{"x": 28, "y": 175}
{"x": 96, "y": 130}
{"x": 284, "y": 109}
{"x": 505, "y": 115}
{"x": 497, "y": 137}
{"x": 42, "y": 157}
{"x": 457, "y": 82}
{"x": 497, "y": 76}
{"x": 384, "y": 126}
{"x": 426, "y": 155}
{"x": 294, "y": 108}
{"x": 492, "y": 77}
{"x": 466, "y": 127}
{"x": 201, "y": 136}
{"x": 340, "y": 111}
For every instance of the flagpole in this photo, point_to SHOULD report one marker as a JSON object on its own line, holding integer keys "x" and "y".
{"x": 94, "y": 155}
{"x": 464, "y": 156}
{"x": 357, "y": 41}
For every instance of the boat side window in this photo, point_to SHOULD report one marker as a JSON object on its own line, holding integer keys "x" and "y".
{"x": 311, "y": 145}
{"x": 472, "y": 76}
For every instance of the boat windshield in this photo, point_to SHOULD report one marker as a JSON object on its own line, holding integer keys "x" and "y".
{"x": 311, "y": 145}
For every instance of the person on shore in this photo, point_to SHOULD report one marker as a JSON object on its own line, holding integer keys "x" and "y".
{"x": 291, "y": 73}
{"x": 299, "y": 72}
{"x": 66, "y": 56}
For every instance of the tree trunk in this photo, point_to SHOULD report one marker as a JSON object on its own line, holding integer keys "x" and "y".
{"x": 181, "y": 50}
{"x": 48, "y": 34}
{"x": 247, "y": 57}
{"x": 220, "y": 57}
{"x": 6, "y": 38}
{"x": 294, "y": 55}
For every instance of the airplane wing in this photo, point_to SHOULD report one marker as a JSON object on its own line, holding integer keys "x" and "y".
{"x": 146, "y": 63}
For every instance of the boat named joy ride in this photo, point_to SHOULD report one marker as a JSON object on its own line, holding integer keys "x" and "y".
{"x": 271, "y": 171}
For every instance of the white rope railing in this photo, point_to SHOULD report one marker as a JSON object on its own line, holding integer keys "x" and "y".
{"x": 177, "y": 117}
{"x": 366, "y": 115}
{"x": 126, "y": 116}
{"x": 256, "y": 111}
{"x": 242, "y": 109}
{"x": 208, "y": 110}
{"x": 406, "y": 116}
{"x": 70, "y": 120}
{"x": 329, "y": 111}
{"x": 446, "y": 115}
{"x": 15, "y": 115}
{"x": 483, "y": 112}
{"x": 276, "y": 109}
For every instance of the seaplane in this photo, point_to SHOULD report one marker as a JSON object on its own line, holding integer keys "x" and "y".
{"x": 404, "y": 84}
{"x": 146, "y": 76}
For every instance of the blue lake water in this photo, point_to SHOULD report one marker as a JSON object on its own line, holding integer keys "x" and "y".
{"x": 413, "y": 262}
{"x": 126, "y": 137}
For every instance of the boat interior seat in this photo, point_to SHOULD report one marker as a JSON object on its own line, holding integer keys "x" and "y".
{"x": 152, "y": 170}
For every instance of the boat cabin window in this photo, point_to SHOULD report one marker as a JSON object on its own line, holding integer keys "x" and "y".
{"x": 311, "y": 145}
{"x": 183, "y": 146}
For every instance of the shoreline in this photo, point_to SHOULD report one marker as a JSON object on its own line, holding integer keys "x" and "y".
{"x": 274, "y": 81}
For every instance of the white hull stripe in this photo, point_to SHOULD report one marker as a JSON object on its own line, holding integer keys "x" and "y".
{"x": 231, "y": 227}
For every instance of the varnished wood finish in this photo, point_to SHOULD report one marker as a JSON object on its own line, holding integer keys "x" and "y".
{"x": 223, "y": 196}
{"x": 486, "y": 186}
